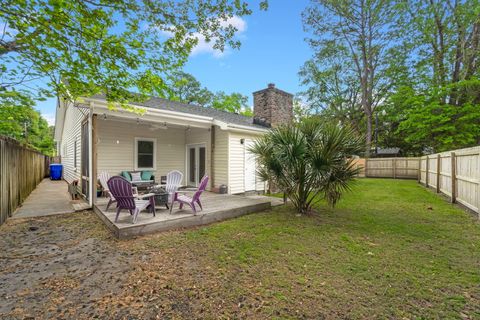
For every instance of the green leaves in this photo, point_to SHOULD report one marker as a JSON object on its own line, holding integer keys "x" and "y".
{"x": 421, "y": 122}
{"x": 19, "y": 120}
{"x": 104, "y": 46}
{"x": 308, "y": 159}
{"x": 185, "y": 88}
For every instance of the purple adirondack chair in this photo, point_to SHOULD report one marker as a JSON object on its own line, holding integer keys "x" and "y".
{"x": 191, "y": 201}
{"x": 103, "y": 177}
{"x": 121, "y": 189}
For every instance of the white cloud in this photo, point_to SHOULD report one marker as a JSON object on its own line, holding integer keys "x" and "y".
{"x": 237, "y": 22}
{"x": 50, "y": 117}
{"x": 207, "y": 47}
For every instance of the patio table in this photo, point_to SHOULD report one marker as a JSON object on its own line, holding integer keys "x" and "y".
{"x": 143, "y": 185}
{"x": 161, "y": 196}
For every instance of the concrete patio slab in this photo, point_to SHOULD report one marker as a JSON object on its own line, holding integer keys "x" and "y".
{"x": 216, "y": 207}
{"x": 49, "y": 198}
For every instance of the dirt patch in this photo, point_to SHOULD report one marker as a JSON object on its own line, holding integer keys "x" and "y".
{"x": 367, "y": 259}
{"x": 50, "y": 267}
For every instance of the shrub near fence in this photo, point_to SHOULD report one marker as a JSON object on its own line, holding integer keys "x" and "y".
{"x": 455, "y": 174}
{"x": 21, "y": 170}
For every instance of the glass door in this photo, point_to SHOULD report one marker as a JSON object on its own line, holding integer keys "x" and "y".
{"x": 196, "y": 163}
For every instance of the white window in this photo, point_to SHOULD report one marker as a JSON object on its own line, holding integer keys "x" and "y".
{"x": 145, "y": 153}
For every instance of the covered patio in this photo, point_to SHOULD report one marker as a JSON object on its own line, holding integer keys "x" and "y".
{"x": 216, "y": 207}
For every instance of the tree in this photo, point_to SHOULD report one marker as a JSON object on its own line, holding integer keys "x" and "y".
{"x": 350, "y": 40}
{"x": 333, "y": 93}
{"x": 308, "y": 161}
{"x": 435, "y": 107}
{"x": 420, "y": 122}
{"x": 444, "y": 36}
{"x": 19, "y": 120}
{"x": 234, "y": 102}
{"x": 186, "y": 88}
{"x": 80, "y": 48}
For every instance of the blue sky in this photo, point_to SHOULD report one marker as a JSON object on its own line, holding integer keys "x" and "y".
{"x": 273, "y": 50}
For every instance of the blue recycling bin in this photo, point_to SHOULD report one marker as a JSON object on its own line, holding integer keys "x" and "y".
{"x": 56, "y": 171}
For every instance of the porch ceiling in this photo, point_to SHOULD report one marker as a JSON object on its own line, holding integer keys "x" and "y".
{"x": 153, "y": 118}
{"x": 154, "y": 124}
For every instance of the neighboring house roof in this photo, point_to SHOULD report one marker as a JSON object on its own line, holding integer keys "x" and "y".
{"x": 165, "y": 104}
{"x": 388, "y": 150}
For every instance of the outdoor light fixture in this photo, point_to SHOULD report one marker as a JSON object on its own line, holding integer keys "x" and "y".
{"x": 242, "y": 141}
{"x": 188, "y": 128}
{"x": 104, "y": 116}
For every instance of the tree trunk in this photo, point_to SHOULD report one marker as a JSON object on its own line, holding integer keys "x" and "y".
{"x": 368, "y": 136}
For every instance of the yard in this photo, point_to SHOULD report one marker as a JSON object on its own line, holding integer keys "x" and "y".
{"x": 390, "y": 249}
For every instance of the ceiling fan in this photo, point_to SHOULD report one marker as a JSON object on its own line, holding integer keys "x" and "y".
{"x": 154, "y": 127}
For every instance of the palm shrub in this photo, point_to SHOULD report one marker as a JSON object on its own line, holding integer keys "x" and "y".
{"x": 308, "y": 161}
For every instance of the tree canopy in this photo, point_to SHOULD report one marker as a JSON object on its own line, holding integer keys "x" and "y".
{"x": 116, "y": 47}
{"x": 108, "y": 46}
{"x": 19, "y": 120}
{"x": 416, "y": 60}
{"x": 186, "y": 88}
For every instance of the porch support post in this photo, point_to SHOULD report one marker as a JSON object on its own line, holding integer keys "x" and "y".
{"x": 90, "y": 156}
{"x": 212, "y": 157}
{"x": 94, "y": 157}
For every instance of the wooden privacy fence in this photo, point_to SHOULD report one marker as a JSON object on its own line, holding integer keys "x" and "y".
{"x": 21, "y": 169}
{"x": 455, "y": 174}
{"x": 401, "y": 168}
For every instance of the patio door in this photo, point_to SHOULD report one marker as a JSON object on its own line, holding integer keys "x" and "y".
{"x": 249, "y": 167}
{"x": 196, "y": 163}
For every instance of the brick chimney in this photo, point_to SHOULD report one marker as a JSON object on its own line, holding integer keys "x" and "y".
{"x": 272, "y": 107}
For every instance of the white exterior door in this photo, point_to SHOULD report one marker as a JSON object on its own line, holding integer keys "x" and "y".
{"x": 196, "y": 163}
{"x": 249, "y": 166}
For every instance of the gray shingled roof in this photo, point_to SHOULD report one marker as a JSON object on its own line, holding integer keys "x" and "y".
{"x": 164, "y": 104}
{"x": 388, "y": 150}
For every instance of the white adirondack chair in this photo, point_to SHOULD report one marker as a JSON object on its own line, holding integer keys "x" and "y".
{"x": 174, "y": 179}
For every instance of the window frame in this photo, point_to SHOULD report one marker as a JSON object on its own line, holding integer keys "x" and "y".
{"x": 135, "y": 154}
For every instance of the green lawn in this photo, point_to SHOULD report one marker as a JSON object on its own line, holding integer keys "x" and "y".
{"x": 390, "y": 250}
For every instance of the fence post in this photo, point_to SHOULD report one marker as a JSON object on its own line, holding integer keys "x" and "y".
{"x": 394, "y": 168}
{"x": 366, "y": 166}
{"x": 419, "y": 172}
{"x": 454, "y": 177}
{"x": 426, "y": 172}
{"x": 438, "y": 172}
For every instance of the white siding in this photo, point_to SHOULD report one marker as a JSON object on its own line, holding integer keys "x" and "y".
{"x": 71, "y": 133}
{"x": 201, "y": 136}
{"x": 220, "y": 157}
{"x": 236, "y": 163}
{"x": 116, "y": 157}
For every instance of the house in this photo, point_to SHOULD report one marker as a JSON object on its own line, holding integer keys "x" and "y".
{"x": 92, "y": 138}
{"x": 386, "y": 152}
